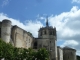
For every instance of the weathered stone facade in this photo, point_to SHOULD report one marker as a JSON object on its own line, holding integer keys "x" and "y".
{"x": 21, "y": 38}
{"x": 15, "y": 35}
{"x": 47, "y": 38}
{"x": 69, "y": 53}
{"x": 59, "y": 53}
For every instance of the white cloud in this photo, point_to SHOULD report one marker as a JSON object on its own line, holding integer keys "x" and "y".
{"x": 5, "y": 2}
{"x": 67, "y": 22}
{"x": 42, "y": 18}
{"x": 33, "y": 27}
{"x": 71, "y": 43}
{"x": 67, "y": 25}
{"x": 77, "y": 1}
{"x": 78, "y": 53}
{"x": 28, "y": 26}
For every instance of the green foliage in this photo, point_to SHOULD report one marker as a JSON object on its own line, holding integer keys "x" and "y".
{"x": 42, "y": 54}
{"x": 6, "y": 50}
{"x": 30, "y": 33}
{"x": 9, "y": 52}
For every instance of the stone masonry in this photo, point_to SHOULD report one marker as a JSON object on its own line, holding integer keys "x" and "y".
{"x": 47, "y": 38}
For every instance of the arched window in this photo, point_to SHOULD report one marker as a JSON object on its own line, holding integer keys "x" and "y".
{"x": 50, "y": 32}
{"x": 35, "y": 45}
{"x": 45, "y": 32}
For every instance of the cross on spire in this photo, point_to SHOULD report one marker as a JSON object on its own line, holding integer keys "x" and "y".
{"x": 47, "y": 22}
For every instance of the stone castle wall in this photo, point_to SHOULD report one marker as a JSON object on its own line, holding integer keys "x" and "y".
{"x": 60, "y": 53}
{"x": 21, "y": 38}
{"x": 46, "y": 38}
{"x": 69, "y": 54}
{"x": 14, "y": 34}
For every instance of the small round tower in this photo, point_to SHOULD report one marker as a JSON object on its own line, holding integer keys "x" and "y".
{"x": 69, "y": 53}
{"x": 6, "y": 30}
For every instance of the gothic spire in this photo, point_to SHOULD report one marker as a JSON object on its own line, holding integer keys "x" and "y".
{"x": 47, "y": 22}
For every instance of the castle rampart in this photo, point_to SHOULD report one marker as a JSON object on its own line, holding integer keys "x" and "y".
{"x": 47, "y": 38}
{"x": 21, "y": 38}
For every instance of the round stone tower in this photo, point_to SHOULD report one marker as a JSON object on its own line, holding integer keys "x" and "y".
{"x": 47, "y": 39}
{"x": 6, "y": 30}
{"x": 69, "y": 53}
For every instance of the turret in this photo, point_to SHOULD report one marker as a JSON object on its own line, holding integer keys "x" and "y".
{"x": 69, "y": 53}
{"x": 6, "y": 30}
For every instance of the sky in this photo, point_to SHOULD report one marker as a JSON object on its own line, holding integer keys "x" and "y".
{"x": 31, "y": 15}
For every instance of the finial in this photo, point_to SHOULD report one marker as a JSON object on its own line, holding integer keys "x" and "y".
{"x": 47, "y": 21}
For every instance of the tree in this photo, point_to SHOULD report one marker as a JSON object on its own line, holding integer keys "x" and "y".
{"x": 6, "y": 50}
{"x": 9, "y": 52}
{"x": 42, "y": 54}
